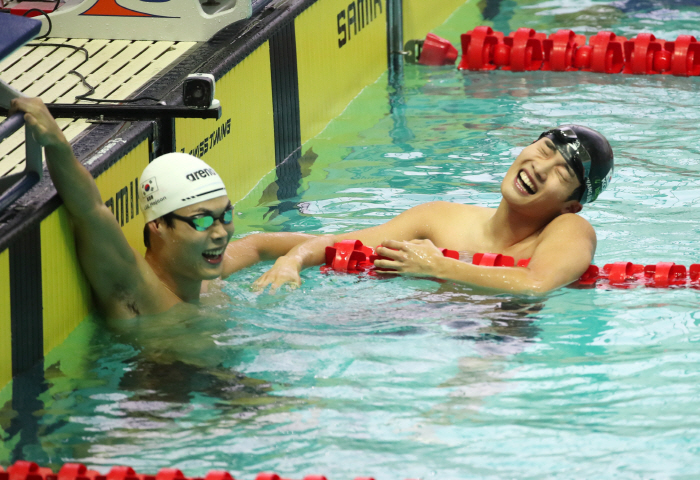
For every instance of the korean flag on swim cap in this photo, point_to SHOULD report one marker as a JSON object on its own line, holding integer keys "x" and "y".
{"x": 177, "y": 180}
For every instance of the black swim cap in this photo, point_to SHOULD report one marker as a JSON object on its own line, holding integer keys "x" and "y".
{"x": 589, "y": 154}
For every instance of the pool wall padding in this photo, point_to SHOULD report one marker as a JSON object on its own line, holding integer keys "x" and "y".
{"x": 244, "y": 131}
{"x": 65, "y": 292}
{"x": 353, "y": 59}
{"x": 420, "y": 17}
{"x": 281, "y": 77}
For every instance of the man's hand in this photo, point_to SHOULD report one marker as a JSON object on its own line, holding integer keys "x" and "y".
{"x": 284, "y": 271}
{"x": 44, "y": 128}
{"x": 258, "y": 247}
{"x": 413, "y": 258}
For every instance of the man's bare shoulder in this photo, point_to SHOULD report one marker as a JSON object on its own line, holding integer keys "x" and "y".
{"x": 570, "y": 229}
{"x": 571, "y": 222}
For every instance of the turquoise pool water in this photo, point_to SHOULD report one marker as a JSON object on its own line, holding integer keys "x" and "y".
{"x": 406, "y": 378}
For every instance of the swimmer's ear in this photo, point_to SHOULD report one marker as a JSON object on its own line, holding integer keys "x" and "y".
{"x": 572, "y": 206}
{"x": 153, "y": 226}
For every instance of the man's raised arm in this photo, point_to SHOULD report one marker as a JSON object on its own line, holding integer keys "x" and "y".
{"x": 105, "y": 255}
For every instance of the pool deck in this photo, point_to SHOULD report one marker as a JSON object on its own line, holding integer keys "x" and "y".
{"x": 116, "y": 68}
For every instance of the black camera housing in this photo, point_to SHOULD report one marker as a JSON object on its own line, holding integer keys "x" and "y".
{"x": 198, "y": 90}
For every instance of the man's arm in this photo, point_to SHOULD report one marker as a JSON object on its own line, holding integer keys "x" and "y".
{"x": 259, "y": 247}
{"x": 105, "y": 256}
{"x": 413, "y": 223}
{"x": 563, "y": 254}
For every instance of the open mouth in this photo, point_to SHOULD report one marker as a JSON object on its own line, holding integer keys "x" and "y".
{"x": 214, "y": 256}
{"x": 526, "y": 182}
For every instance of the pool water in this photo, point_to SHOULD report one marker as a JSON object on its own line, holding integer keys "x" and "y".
{"x": 409, "y": 378}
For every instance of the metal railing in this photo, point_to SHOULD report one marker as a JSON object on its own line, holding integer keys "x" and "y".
{"x": 17, "y": 184}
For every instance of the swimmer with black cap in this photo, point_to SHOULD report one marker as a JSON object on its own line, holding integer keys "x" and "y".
{"x": 588, "y": 153}
{"x": 543, "y": 190}
{"x": 189, "y": 222}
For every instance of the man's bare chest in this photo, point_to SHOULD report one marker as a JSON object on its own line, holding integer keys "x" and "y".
{"x": 473, "y": 238}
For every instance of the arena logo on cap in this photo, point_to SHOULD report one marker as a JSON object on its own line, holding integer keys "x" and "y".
{"x": 199, "y": 174}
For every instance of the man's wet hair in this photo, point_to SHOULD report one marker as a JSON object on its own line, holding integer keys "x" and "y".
{"x": 578, "y": 192}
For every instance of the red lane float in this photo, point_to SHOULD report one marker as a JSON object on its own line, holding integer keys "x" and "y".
{"x": 493, "y": 260}
{"x": 437, "y": 51}
{"x": 604, "y": 54}
{"x": 526, "y": 53}
{"x": 218, "y": 475}
{"x": 479, "y": 49}
{"x": 685, "y": 56}
{"x": 23, "y": 470}
{"x": 617, "y": 275}
{"x": 525, "y": 49}
{"x": 497, "y": 260}
{"x": 78, "y": 471}
{"x": 645, "y": 55}
{"x": 560, "y": 49}
{"x": 351, "y": 256}
{"x": 661, "y": 275}
{"x": 122, "y": 473}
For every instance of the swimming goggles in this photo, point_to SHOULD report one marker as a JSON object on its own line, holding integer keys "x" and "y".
{"x": 202, "y": 222}
{"x": 572, "y": 150}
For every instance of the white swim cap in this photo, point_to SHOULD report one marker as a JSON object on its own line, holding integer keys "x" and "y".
{"x": 177, "y": 180}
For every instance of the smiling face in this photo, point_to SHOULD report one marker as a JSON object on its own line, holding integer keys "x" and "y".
{"x": 192, "y": 254}
{"x": 540, "y": 182}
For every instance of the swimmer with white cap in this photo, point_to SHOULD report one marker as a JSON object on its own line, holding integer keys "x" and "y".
{"x": 189, "y": 222}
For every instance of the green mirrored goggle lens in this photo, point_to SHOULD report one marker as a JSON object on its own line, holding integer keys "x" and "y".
{"x": 202, "y": 223}
{"x": 206, "y": 221}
